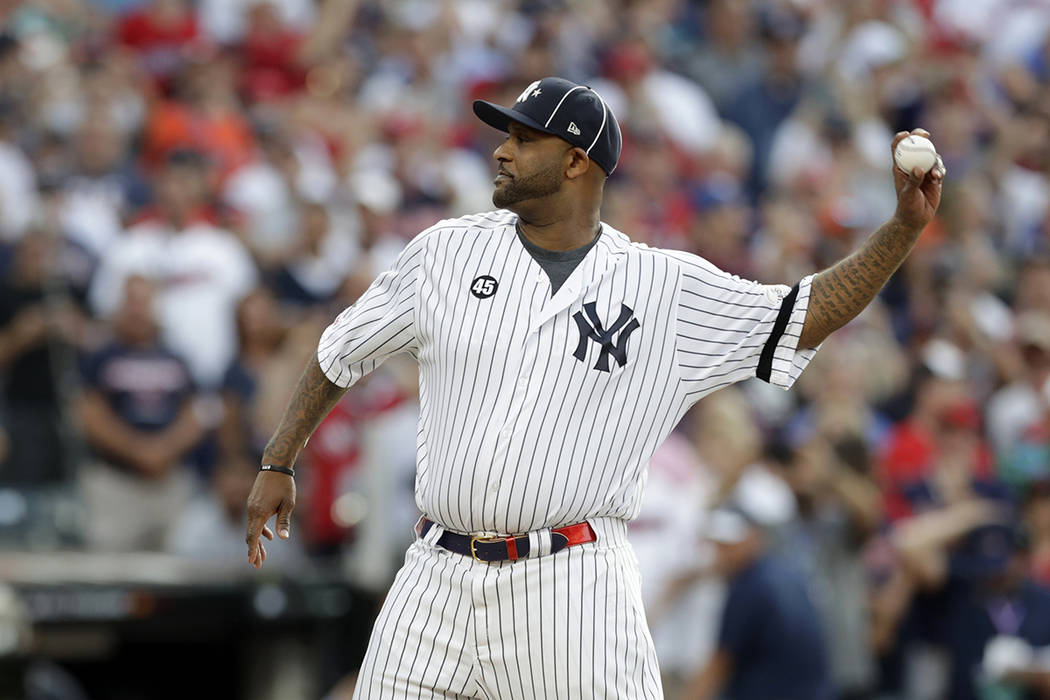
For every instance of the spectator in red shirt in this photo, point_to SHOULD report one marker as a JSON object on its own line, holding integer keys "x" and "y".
{"x": 270, "y": 52}
{"x": 160, "y": 33}
{"x": 943, "y": 427}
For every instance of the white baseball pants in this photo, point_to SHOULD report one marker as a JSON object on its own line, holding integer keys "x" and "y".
{"x": 566, "y": 625}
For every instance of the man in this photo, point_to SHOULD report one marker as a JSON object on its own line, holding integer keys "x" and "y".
{"x": 989, "y": 617}
{"x": 554, "y": 357}
{"x": 137, "y": 415}
{"x": 200, "y": 270}
{"x": 770, "y": 643}
{"x": 839, "y": 508}
{"x": 39, "y": 329}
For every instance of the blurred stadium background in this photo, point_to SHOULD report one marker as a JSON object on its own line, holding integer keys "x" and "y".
{"x": 190, "y": 190}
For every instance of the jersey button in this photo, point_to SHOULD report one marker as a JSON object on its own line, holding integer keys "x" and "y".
{"x": 494, "y": 489}
{"x": 506, "y": 433}
{"x": 523, "y": 383}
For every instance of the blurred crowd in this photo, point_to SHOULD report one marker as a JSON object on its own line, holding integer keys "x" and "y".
{"x": 189, "y": 191}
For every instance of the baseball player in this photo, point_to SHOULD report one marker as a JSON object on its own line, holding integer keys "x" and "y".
{"x": 554, "y": 356}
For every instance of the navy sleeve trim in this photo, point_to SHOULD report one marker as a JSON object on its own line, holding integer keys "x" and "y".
{"x": 765, "y": 360}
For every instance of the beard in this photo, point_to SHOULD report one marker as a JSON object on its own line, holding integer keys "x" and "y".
{"x": 539, "y": 184}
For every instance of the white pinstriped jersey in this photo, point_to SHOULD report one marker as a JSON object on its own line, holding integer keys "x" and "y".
{"x": 540, "y": 411}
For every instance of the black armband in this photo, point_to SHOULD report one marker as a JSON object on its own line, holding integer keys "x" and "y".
{"x": 277, "y": 468}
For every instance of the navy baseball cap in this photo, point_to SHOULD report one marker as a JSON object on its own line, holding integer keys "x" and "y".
{"x": 986, "y": 550}
{"x": 575, "y": 113}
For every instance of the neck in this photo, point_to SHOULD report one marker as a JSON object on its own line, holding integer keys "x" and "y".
{"x": 568, "y": 233}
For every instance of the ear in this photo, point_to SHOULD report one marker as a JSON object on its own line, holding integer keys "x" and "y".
{"x": 577, "y": 163}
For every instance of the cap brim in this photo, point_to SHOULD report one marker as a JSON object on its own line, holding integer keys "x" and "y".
{"x": 499, "y": 117}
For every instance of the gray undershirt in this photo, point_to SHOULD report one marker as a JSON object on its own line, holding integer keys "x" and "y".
{"x": 558, "y": 264}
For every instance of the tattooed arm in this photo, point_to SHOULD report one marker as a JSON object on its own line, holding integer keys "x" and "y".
{"x": 379, "y": 325}
{"x": 842, "y": 291}
{"x": 313, "y": 398}
{"x": 274, "y": 492}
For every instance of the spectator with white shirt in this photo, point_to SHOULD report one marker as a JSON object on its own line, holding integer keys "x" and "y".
{"x": 200, "y": 270}
{"x": 18, "y": 179}
{"x": 1016, "y": 406}
{"x": 315, "y": 267}
{"x": 104, "y": 190}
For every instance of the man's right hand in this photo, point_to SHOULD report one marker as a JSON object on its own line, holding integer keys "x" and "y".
{"x": 272, "y": 494}
{"x": 918, "y": 193}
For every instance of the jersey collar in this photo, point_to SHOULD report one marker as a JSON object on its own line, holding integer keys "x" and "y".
{"x": 607, "y": 253}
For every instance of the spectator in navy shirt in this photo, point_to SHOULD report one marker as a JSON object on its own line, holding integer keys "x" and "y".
{"x": 978, "y": 604}
{"x": 770, "y": 644}
{"x": 997, "y": 620}
{"x": 137, "y": 415}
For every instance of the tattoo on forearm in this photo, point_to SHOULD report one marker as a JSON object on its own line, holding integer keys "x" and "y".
{"x": 313, "y": 398}
{"x": 842, "y": 291}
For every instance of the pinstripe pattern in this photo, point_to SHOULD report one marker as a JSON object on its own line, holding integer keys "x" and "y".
{"x": 515, "y": 434}
{"x": 569, "y": 625}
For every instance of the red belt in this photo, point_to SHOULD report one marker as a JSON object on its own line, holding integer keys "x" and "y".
{"x": 507, "y": 548}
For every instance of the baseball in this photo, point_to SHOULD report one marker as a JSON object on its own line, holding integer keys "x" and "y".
{"x": 915, "y": 152}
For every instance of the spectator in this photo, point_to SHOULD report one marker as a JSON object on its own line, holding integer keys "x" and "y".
{"x": 200, "y": 270}
{"x": 761, "y": 105}
{"x": 271, "y": 53}
{"x": 39, "y": 326}
{"x": 314, "y": 269}
{"x": 839, "y": 508}
{"x": 658, "y": 100}
{"x": 160, "y": 32}
{"x": 205, "y": 114}
{"x": 105, "y": 189}
{"x": 681, "y": 598}
{"x": 728, "y": 58}
{"x": 770, "y": 643}
{"x": 18, "y": 196}
{"x": 251, "y": 408}
{"x": 1015, "y": 407}
{"x": 942, "y": 409}
{"x": 225, "y": 21}
{"x": 719, "y": 229}
{"x": 991, "y": 617}
{"x": 138, "y": 417}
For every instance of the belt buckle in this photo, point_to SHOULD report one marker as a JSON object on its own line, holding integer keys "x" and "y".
{"x": 483, "y": 537}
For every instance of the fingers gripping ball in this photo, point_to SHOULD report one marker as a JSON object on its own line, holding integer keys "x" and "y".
{"x": 915, "y": 152}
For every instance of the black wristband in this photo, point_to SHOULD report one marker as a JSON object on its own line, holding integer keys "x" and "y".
{"x": 275, "y": 468}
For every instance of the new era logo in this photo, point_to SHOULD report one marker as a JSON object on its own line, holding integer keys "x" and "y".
{"x": 573, "y": 129}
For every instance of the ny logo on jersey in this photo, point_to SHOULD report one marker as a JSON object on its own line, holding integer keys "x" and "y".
{"x": 592, "y": 330}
